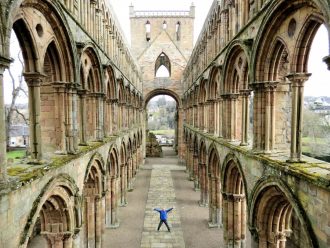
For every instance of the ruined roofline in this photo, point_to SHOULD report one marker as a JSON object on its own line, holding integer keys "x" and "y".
{"x": 161, "y": 13}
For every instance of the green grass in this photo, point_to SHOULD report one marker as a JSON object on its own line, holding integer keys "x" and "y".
{"x": 308, "y": 140}
{"x": 16, "y": 154}
{"x": 165, "y": 132}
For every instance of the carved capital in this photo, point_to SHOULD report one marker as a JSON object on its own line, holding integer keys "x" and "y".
{"x": 33, "y": 79}
{"x": 298, "y": 79}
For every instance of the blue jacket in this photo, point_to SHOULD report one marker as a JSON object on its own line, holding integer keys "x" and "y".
{"x": 163, "y": 213}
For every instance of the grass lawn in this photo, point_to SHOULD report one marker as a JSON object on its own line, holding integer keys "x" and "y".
{"x": 16, "y": 154}
{"x": 165, "y": 132}
{"x": 308, "y": 140}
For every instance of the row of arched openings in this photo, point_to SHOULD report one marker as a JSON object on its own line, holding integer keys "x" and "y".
{"x": 65, "y": 216}
{"x": 268, "y": 214}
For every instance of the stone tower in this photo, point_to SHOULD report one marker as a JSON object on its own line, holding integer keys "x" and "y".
{"x": 163, "y": 38}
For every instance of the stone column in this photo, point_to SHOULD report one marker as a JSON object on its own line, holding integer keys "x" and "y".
{"x": 220, "y": 117}
{"x": 100, "y": 116}
{"x": 264, "y": 115}
{"x": 214, "y": 206}
{"x": 123, "y": 202}
{"x": 34, "y": 81}
{"x": 4, "y": 63}
{"x": 71, "y": 117}
{"x": 114, "y": 117}
{"x": 130, "y": 173}
{"x": 98, "y": 221}
{"x": 108, "y": 202}
{"x": 206, "y": 107}
{"x": 234, "y": 220}
{"x": 245, "y": 116}
{"x": 196, "y": 171}
{"x": 191, "y": 161}
{"x": 297, "y": 84}
{"x": 59, "y": 106}
{"x": 211, "y": 116}
{"x": 269, "y": 115}
{"x": 75, "y": 111}
{"x": 83, "y": 117}
{"x": 203, "y": 185}
{"x": 114, "y": 219}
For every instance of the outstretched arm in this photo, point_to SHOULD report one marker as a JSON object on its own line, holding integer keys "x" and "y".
{"x": 168, "y": 210}
{"x": 156, "y": 209}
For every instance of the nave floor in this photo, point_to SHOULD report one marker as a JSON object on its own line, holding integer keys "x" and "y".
{"x": 163, "y": 182}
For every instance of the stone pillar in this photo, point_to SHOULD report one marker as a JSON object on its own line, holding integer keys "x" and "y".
{"x": 100, "y": 116}
{"x": 83, "y": 117}
{"x": 134, "y": 156}
{"x": 245, "y": 116}
{"x": 234, "y": 220}
{"x": 214, "y": 206}
{"x": 196, "y": 171}
{"x": 71, "y": 118}
{"x": 211, "y": 116}
{"x": 34, "y": 81}
{"x": 220, "y": 117}
{"x": 297, "y": 84}
{"x": 129, "y": 173}
{"x": 98, "y": 221}
{"x": 75, "y": 111}
{"x": 203, "y": 202}
{"x": 205, "y": 110}
{"x": 123, "y": 180}
{"x": 4, "y": 63}
{"x": 108, "y": 202}
{"x": 59, "y": 106}
{"x": 264, "y": 116}
{"x": 191, "y": 161}
{"x": 114, "y": 111}
{"x": 114, "y": 218}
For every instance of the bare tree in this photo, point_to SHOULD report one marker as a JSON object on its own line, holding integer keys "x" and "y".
{"x": 12, "y": 110}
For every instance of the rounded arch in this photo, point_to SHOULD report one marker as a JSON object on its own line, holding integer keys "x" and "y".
{"x": 110, "y": 83}
{"x": 235, "y": 76}
{"x": 157, "y": 92}
{"x": 113, "y": 162}
{"x": 28, "y": 46}
{"x": 232, "y": 161}
{"x": 213, "y": 83}
{"x": 123, "y": 152}
{"x": 278, "y": 12}
{"x": 274, "y": 208}
{"x": 59, "y": 190}
{"x": 214, "y": 161}
{"x": 90, "y": 64}
{"x": 61, "y": 36}
{"x": 95, "y": 160}
{"x": 304, "y": 41}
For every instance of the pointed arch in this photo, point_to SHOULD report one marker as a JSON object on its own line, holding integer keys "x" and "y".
{"x": 163, "y": 60}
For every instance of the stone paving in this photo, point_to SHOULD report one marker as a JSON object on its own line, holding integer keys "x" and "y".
{"x": 163, "y": 182}
{"x": 161, "y": 194}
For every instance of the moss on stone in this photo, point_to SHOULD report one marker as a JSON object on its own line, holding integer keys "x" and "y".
{"x": 14, "y": 171}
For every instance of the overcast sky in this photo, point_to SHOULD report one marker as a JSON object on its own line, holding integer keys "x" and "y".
{"x": 318, "y": 85}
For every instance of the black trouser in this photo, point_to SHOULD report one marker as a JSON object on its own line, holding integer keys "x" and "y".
{"x": 161, "y": 223}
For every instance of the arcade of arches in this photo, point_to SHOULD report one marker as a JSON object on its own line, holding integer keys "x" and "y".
{"x": 87, "y": 98}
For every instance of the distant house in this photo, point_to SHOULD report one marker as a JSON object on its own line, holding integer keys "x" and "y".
{"x": 19, "y": 135}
